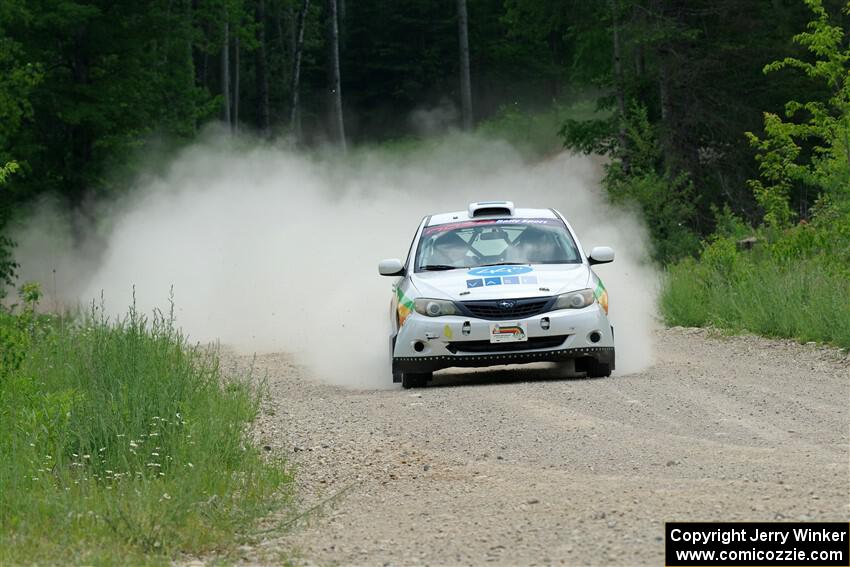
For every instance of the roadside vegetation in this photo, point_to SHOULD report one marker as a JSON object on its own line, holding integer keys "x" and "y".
{"x": 790, "y": 275}
{"x": 777, "y": 258}
{"x": 122, "y": 443}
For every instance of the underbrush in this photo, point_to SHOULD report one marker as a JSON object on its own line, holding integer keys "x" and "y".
{"x": 793, "y": 284}
{"x": 122, "y": 444}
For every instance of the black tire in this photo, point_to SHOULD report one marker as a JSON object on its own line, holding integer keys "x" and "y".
{"x": 414, "y": 379}
{"x": 596, "y": 369}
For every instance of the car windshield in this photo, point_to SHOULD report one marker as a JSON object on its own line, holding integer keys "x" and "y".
{"x": 471, "y": 244}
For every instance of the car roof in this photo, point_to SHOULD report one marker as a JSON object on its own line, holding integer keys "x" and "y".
{"x": 461, "y": 216}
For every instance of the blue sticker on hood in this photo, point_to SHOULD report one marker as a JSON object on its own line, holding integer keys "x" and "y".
{"x": 492, "y": 281}
{"x": 474, "y": 283}
{"x": 510, "y": 280}
{"x": 500, "y": 270}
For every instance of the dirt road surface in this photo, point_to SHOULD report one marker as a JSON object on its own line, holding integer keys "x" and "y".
{"x": 515, "y": 467}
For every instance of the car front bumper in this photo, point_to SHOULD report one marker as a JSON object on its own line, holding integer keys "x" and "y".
{"x": 425, "y": 344}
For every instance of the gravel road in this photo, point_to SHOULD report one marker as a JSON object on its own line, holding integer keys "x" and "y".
{"x": 516, "y": 467}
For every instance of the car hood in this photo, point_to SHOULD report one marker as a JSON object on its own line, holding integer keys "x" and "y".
{"x": 497, "y": 282}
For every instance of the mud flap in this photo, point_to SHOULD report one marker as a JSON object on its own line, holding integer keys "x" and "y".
{"x": 396, "y": 375}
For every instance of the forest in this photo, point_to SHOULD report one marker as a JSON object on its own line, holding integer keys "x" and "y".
{"x": 88, "y": 86}
{"x": 726, "y": 123}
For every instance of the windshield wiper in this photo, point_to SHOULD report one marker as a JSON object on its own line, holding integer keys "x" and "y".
{"x": 504, "y": 264}
{"x": 437, "y": 267}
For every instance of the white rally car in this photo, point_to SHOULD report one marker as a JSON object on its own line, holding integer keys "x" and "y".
{"x": 497, "y": 285}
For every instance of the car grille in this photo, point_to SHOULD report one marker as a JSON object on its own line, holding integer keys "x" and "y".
{"x": 521, "y": 308}
{"x": 486, "y": 346}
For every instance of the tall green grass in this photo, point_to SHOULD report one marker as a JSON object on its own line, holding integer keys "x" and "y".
{"x": 122, "y": 444}
{"x": 806, "y": 299}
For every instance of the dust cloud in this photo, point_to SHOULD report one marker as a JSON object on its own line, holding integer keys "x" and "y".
{"x": 272, "y": 250}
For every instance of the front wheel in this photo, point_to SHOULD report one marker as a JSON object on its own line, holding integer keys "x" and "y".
{"x": 596, "y": 369}
{"x": 414, "y": 379}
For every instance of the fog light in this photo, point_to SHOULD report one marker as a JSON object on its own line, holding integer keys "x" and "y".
{"x": 466, "y": 328}
{"x": 544, "y": 323}
{"x": 595, "y": 336}
{"x": 418, "y": 346}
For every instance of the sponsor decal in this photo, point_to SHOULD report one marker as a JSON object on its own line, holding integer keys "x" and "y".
{"x": 405, "y": 306}
{"x": 508, "y": 332}
{"x": 447, "y": 331}
{"x": 496, "y": 222}
{"x": 529, "y": 279}
{"x": 492, "y": 281}
{"x": 601, "y": 295}
{"x": 500, "y": 270}
{"x": 510, "y": 280}
{"x": 512, "y": 330}
{"x": 478, "y": 282}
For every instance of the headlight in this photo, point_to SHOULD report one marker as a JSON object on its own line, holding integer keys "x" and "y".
{"x": 574, "y": 299}
{"x": 434, "y": 307}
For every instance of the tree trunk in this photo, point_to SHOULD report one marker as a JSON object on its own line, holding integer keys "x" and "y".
{"x": 262, "y": 77}
{"x": 662, "y": 53}
{"x": 639, "y": 22}
{"x": 236, "y": 84}
{"x": 336, "y": 83}
{"x": 341, "y": 20}
{"x": 619, "y": 84}
{"x": 225, "y": 72}
{"x": 294, "y": 118}
{"x": 465, "y": 82}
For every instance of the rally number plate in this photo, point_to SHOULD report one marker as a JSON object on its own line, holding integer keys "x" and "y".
{"x": 508, "y": 332}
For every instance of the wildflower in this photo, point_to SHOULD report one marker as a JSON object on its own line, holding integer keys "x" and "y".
{"x": 191, "y": 466}
{"x": 101, "y": 450}
{"x": 166, "y": 496}
{"x": 86, "y": 456}
{"x": 153, "y": 465}
{"x": 155, "y": 454}
{"x": 35, "y": 478}
{"x": 132, "y": 444}
{"x": 74, "y": 455}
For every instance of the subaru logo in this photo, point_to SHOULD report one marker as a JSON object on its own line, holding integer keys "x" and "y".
{"x": 507, "y": 304}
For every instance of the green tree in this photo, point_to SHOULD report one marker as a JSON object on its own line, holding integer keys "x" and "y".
{"x": 821, "y": 124}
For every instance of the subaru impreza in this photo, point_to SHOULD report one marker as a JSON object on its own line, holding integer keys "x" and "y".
{"x": 496, "y": 285}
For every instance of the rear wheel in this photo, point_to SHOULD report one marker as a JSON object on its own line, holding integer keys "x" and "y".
{"x": 414, "y": 379}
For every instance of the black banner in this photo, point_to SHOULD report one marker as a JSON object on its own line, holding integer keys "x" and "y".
{"x": 762, "y": 544}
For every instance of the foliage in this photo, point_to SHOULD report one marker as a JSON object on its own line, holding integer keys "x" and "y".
{"x": 796, "y": 280}
{"x": 7, "y": 262}
{"x": 667, "y": 200}
{"x": 121, "y": 443}
{"x": 822, "y": 124}
{"x": 788, "y": 289}
{"x": 531, "y": 132}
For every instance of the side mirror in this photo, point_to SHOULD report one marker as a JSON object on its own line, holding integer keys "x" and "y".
{"x": 391, "y": 267}
{"x": 601, "y": 255}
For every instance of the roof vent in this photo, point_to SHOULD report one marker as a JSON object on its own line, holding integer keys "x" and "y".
{"x": 491, "y": 208}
